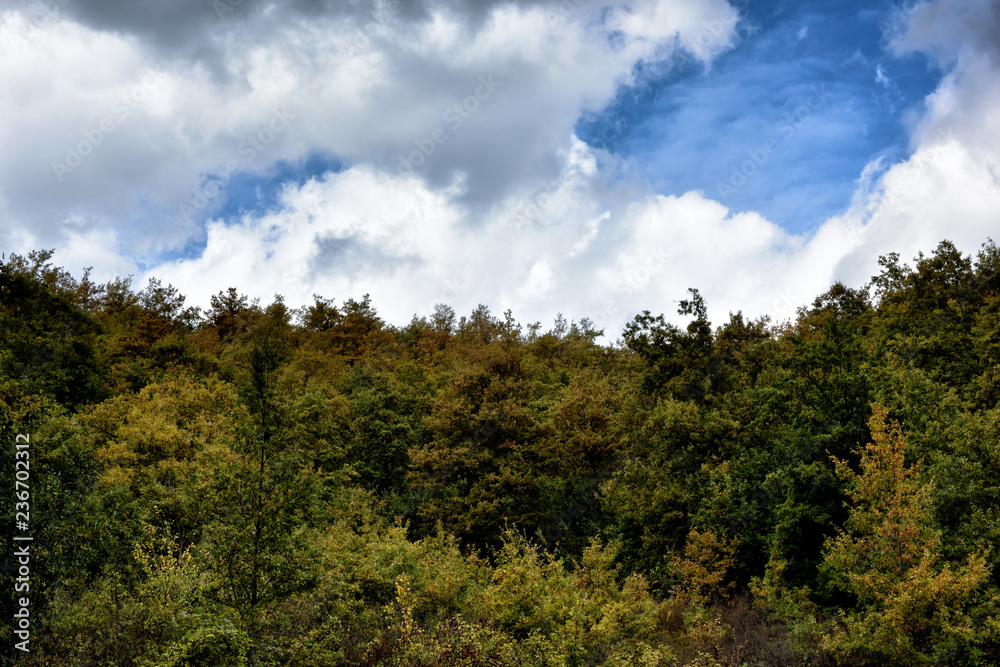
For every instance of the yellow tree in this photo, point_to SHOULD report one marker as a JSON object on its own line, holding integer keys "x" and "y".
{"x": 911, "y": 609}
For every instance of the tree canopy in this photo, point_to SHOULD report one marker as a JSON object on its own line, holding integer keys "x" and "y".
{"x": 256, "y": 484}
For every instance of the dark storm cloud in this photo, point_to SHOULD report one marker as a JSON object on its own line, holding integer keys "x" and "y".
{"x": 192, "y": 30}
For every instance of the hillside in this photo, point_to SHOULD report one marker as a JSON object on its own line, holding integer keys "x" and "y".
{"x": 262, "y": 485}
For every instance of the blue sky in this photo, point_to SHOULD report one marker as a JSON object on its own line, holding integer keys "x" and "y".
{"x": 258, "y": 192}
{"x": 594, "y": 158}
{"x": 782, "y": 124}
{"x": 692, "y": 127}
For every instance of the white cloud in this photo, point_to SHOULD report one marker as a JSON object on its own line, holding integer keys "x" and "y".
{"x": 948, "y": 29}
{"x": 364, "y": 230}
{"x": 366, "y": 94}
{"x": 508, "y": 208}
{"x": 949, "y": 188}
{"x": 880, "y": 76}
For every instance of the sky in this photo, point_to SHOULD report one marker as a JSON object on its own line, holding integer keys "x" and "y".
{"x": 583, "y": 157}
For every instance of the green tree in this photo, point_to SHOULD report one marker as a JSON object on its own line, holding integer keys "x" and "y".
{"x": 385, "y": 425}
{"x": 476, "y": 473}
{"x": 678, "y": 362}
{"x": 665, "y": 481}
{"x": 47, "y": 342}
{"x": 911, "y": 609}
{"x": 267, "y": 496}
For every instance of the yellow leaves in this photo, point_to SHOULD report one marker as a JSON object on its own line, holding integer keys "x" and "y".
{"x": 169, "y": 419}
{"x": 888, "y": 556}
{"x": 567, "y": 611}
{"x": 116, "y": 478}
{"x": 155, "y": 435}
{"x": 116, "y": 453}
{"x": 889, "y": 529}
{"x": 707, "y": 558}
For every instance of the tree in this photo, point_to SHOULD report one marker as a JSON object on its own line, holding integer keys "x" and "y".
{"x": 678, "y": 362}
{"x": 266, "y": 499}
{"x": 226, "y": 311}
{"x": 168, "y": 303}
{"x": 321, "y": 316}
{"x": 910, "y": 609}
{"x": 664, "y": 481}
{"x": 477, "y": 471}
{"x": 47, "y": 342}
{"x": 927, "y": 314}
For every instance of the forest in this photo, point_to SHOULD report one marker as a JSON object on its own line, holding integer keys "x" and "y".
{"x": 257, "y": 484}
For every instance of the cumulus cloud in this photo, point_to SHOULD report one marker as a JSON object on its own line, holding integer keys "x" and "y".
{"x": 949, "y": 28}
{"x": 464, "y": 182}
{"x": 409, "y": 246}
{"x": 950, "y": 185}
{"x": 571, "y": 250}
{"x": 105, "y": 126}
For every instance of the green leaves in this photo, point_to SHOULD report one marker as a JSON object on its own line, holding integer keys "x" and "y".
{"x": 909, "y": 606}
{"x": 47, "y": 342}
